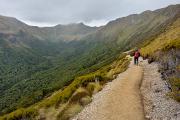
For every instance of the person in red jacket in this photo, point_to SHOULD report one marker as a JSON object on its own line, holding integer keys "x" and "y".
{"x": 136, "y": 57}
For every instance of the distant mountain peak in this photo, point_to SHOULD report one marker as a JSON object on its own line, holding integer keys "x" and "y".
{"x": 81, "y": 24}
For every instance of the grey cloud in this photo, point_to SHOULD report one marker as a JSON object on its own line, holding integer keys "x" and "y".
{"x": 70, "y": 11}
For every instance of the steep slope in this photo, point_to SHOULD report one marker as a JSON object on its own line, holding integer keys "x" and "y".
{"x": 130, "y": 30}
{"x": 11, "y": 25}
{"x": 81, "y": 87}
{"x": 32, "y": 66}
{"x": 69, "y": 32}
{"x": 39, "y": 61}
{"x": 165, "y": 41}
{"x": 166, "y": 50}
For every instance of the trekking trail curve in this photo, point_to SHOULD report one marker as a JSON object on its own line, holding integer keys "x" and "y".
{"x": 119, "y": 100}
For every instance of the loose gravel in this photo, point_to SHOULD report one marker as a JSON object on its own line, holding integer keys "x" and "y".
{"x": 157, "y": 105}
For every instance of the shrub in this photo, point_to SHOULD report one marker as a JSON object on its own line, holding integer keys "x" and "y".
{"x": 93, "y": 87}
{"x": 20, "y": 114}
{"x": 85, "y": 100}
{"x": 70, "y": 111}
{"x": 79, "y": 93}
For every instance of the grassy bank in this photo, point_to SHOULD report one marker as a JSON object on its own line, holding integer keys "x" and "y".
{"x": 158, "y": 50}
{"x": 167, "y": 40}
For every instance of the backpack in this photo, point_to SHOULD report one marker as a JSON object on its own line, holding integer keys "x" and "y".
{"x": 136, "y": 54}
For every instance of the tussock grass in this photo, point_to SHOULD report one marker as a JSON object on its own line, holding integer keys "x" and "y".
{"x": 21, "y": 113}
{"x": 79, "y": 93}
{"x": 169, "y": 39}
{"x": 93, "y": 87}
{"x": 70, "y": 111}
{"x": 85, "y": 100}
{"x": 77, "y": 87}
{"x": 175, "y": 85}
{"x": 178, "y": 67}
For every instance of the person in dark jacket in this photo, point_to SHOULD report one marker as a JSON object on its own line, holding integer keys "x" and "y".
{"x": 136, "y": 57}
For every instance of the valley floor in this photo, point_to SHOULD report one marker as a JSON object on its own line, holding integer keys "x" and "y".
{"x": 126, "y": 99}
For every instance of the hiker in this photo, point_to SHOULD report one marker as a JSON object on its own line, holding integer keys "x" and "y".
{"x": 136, "y": 57}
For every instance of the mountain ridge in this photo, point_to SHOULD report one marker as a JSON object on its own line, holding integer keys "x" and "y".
{"x": 34, "y": 63}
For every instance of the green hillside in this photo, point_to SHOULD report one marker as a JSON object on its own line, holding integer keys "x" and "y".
{"x": 35, "y": 62}
{"x": 165, "y": 49}
{"x": 165, "y": 41}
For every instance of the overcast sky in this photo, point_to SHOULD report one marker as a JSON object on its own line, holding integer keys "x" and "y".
{"x": 91, "y": 12}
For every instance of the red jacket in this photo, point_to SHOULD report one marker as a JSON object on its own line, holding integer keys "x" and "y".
{"x": 137, "y": 54}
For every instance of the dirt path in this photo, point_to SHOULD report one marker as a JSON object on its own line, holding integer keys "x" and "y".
{"x": 119, "y": 99}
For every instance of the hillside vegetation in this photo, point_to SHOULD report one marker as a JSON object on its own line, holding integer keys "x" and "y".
{"x": 165, "y": 49}
{"x": 165, "y": 41}
{"x": 35, "y": 62}
{"x": 78, "y": 93}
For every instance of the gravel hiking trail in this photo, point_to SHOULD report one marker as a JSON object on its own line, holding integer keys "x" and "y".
{"x": 157, "y": 104}
{"x": 119, "y": 99}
